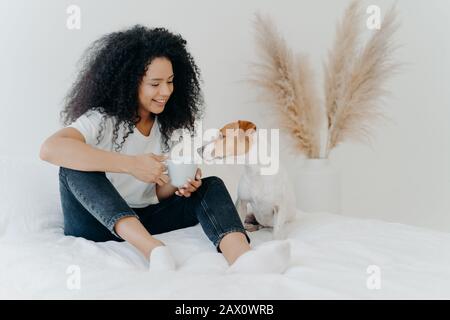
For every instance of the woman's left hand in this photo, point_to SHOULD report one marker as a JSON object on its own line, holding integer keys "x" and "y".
{"x": 190, "y": 186}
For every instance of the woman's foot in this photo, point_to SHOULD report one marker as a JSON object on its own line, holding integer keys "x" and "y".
{"x": 161, "y": 259}
{"x": 270, "y": 257}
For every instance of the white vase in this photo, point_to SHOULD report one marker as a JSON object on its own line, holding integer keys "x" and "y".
{"x": 318, "y": 187}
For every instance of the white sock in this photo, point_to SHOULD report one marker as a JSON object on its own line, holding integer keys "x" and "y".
{"x": 270, "y": 257}
{"x": 161, "y": 259}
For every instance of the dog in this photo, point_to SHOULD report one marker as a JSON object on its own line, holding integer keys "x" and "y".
{"x": 263, "y": 201}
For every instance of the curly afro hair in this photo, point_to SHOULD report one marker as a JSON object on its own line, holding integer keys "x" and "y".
{"x": 112, "y": 69}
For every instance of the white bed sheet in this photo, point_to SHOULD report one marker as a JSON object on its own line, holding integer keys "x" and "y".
{"x": 330, "y": 257}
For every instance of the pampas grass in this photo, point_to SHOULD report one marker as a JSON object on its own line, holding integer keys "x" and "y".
{"x": 353, "y": 77}
{"x": 287, "y": 79}
{"x": 353, "y": 90}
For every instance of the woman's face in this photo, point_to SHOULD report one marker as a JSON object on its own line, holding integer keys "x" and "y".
{"x": 156, "y": 86}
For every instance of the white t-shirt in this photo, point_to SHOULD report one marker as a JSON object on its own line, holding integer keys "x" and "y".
{"x": 136, "y": 193}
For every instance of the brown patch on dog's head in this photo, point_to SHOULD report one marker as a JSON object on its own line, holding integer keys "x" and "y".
{"x": 241, "y": 132}
{"x": 237, "y": 126}
{"x": 235, "y": 138}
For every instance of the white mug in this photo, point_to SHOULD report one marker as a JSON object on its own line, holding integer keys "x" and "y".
{"x": 180, "y": 171}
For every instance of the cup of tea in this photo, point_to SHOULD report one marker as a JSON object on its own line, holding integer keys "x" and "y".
{"x": 180, "y": 171}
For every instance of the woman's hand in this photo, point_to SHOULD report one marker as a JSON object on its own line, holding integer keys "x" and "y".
{"x": 190, "y": 186}
{"x": 149, "y": 168}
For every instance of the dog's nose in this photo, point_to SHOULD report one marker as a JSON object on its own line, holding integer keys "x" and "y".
{"x": 200, "y": 151}
{"x": 206, "y": 151}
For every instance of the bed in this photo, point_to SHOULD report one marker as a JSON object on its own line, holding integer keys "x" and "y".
{"x": 333, "y": 256}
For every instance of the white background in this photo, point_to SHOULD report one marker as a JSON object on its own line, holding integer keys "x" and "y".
{"x": 403, "y": 177}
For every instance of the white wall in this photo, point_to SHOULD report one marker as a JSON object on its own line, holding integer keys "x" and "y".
{"x": 403, "y": 177}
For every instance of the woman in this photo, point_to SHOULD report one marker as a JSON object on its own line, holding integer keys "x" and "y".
{"x": 134, "y": 89}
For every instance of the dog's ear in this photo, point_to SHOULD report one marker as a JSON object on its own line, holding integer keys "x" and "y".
{"x": 248, "y": 129}
{"x": 229, "y": 126}
{"x": 243, "y": 125}
{"x": 246, "y": 125}
{"x": 238, "y": 125}
{"x": 242, "y": 134}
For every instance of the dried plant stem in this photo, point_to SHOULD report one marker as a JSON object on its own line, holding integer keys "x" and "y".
{"x": 289, "y": 81}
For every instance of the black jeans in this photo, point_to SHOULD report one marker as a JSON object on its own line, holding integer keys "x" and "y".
{"x": 91, "y": 206}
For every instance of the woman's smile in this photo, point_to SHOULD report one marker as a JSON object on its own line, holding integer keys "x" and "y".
{"x": 160, "y": 103}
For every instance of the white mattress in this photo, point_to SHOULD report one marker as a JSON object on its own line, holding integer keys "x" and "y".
{"x": 330, "y": 255}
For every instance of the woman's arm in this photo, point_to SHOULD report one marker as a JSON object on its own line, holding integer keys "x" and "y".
{"x": 67, "y": 148}
{"x": 165, "y": 191}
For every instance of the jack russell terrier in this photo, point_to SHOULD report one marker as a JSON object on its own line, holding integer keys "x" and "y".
{"x": 270, "y": 196}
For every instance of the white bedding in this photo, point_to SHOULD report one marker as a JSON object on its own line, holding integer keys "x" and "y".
{"x": 330, "y": 256}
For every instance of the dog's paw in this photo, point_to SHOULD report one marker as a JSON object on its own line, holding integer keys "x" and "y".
{"x": 250, "y": 219}
{"x": 251, "y": 224}
{"x": 252, "y": 227}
